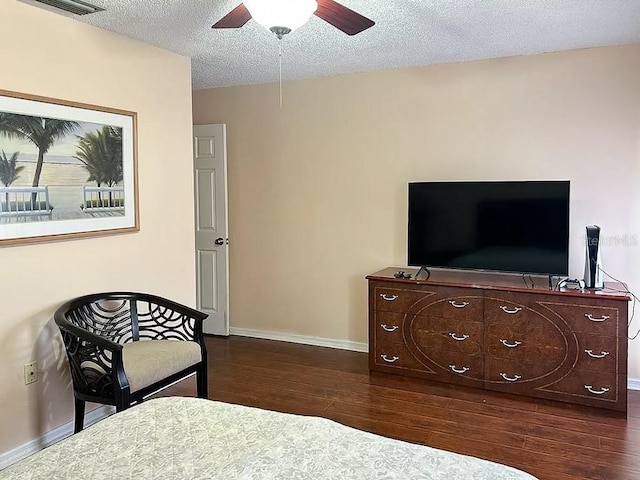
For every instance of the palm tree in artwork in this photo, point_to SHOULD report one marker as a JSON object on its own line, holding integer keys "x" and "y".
{"x": 41, "y": 131}
{"x": 9, "y": 172}
{"x": 101, "y": 154}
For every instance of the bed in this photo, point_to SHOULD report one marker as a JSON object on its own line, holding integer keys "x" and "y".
{"x": 192, "y": 438}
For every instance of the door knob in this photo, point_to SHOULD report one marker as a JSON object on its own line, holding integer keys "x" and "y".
{"x": 219, "y": 241}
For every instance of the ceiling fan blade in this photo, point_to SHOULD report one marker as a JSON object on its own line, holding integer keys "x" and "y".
{"x": 236, "y": 18}
{"x": 342, "y": 18}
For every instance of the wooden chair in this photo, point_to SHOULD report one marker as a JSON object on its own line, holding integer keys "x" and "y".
{"x": 124, "y": 346}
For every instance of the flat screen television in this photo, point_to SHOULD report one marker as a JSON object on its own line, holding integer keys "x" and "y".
{"x": 512, "y": 226}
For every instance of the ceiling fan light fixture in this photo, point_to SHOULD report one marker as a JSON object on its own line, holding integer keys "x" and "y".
{"x": 282, "y": 15}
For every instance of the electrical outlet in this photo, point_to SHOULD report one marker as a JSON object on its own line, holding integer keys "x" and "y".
{"x": 30, "y": 372}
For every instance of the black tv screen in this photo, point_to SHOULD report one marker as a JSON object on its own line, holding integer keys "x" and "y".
{"x": 518, "y": 226}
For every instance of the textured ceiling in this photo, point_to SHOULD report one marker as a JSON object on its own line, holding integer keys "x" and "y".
{"x": 407, "y": 33}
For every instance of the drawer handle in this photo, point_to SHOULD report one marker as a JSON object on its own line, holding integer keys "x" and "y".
{"x": 388, "y": 298}
{"x": 389, "y": 360}
{"x": 596, "y": 392}
{"x": 453, "y": 303}
{"x": 596, "y": 355}
{"x": 389, "y": 329}
{"x": 510, "y": 345}
{"x": 459, "y": 370}
{"x": 457, "y": 338}
{"x": 510, "y": 311}
{"x": 594, "y": 319}
{"x": 515, "y": 378}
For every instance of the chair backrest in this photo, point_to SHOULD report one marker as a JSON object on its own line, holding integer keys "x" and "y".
{"x": 110, "y": 318}
{"x": 126, "y": 316}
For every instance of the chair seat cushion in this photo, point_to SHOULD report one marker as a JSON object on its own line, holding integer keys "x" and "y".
{"x": 149, "y": 361}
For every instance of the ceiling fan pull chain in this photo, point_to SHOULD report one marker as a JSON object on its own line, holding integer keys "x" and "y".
{"x": 280, "y": 61}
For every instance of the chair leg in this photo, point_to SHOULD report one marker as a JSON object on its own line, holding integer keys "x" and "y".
{"x": 120, "y": 406}
{"x": 201, "y": 381}
{"x": 122, "y": 399}
{"x": 79, "y": 418}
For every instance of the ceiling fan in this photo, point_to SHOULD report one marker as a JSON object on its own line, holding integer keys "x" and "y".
{"x": 284, "y": 16}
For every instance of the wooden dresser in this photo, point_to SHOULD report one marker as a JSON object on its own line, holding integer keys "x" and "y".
{"x": 502, "y": 332}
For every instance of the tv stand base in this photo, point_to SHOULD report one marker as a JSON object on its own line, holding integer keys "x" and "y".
{"x": 425, "y": 270}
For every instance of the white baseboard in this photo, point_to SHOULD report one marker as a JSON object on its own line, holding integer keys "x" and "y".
{"x": 51, "y": 437}
{"x": 632, "y": 383}
{"x": 290, "y": 337}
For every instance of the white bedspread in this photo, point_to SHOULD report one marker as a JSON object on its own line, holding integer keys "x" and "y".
{"x": 189, "y": 438}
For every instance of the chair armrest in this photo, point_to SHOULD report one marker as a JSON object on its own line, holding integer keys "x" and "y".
{"x": 89, "y": 337}
{"x": 95, "y": 362}
{"x": 178, "y": 307}
{"x": 160, "y": 318}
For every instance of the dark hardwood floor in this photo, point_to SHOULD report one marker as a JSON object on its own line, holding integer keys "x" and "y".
{"x": 553, "y": 441}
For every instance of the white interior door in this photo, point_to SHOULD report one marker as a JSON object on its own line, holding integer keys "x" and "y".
{"x": 212, "y": 266}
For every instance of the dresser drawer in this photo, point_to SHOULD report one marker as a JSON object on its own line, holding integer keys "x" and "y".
{"x": 429, "y": 333}
{"x": 509, "y": 312}
{"x": 588, "y": 319}
{"x": 456, "y": 365}
{"x": 508, "y": 371}
{"x": 597, "y": 353}
{"x": 527, "y": 337}
{"x": 389, "y": 326}
{"x": 394, "y": 355}
{"x": 456, "y": 304}
{"x": 524, "y": 351}
{"x": 390, "y": 299}
{"x": 591, "y": 387}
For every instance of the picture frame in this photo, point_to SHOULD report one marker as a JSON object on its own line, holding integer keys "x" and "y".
{"x": 67, "y": 170}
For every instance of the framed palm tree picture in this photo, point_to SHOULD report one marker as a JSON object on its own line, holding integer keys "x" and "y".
{"x": 67, "y": 170}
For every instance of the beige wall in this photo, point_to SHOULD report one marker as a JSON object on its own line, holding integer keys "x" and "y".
{"x": 47, "y": 54}
{"x": 317, "y": 190}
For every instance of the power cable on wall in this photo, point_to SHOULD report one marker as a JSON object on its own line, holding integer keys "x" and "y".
{"x": 633, "y": 304}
